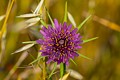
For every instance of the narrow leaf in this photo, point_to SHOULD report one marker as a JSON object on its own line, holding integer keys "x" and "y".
{"x": 65, "y": 15}
{"x": 30, "y": 24}
{"x": 50, "y": 18}
{"x": 73, "y": 61}
{"x": 80, "y": 26}
{"x": 28, "y": 15}
{"x": 70, "y": 17}
{"x": 43, "y": 23}
{"x": 27, "y": 42}
{"x": 32, "y": 20}
{"x": 55, "y": 64}
{"x": 38, "y": 7}
{"x": 40, "y": 57}
{"x": 88, "y": 40}
{"x": 85, "y": 57}
{"x": 23, "y": 48}
{"x": 62, "y": 69}
{"x": 65, "y": 76}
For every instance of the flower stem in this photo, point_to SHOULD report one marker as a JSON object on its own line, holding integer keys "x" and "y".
{"x": 44, "y": 70}
{"x": 62, "y": 69}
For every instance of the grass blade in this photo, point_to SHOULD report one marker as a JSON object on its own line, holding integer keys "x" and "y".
{"x": 55, "y": 64}
{"x": 50, "y": 17}
{"x": 30, "y": 24}
{"x": 33, "y": 20}
{"x": 40, "y": 57}
{"x": 43, "y": 23}
{"x": 38, "y": 7}
{"x": 62, "y": 69}
{"x": 85, "y": 57}
{"x": 70, "y": 17}
{"x": 29, "y": 42}
{"x": 23, "y": 48}
{"x": 28, "y": 15}
{"x": 73, "y": 61}
{"x": 3, "y": 30}
{"x": 66, "y": 12}
{"x": 80, "y": 26}
{"x": 88, "y": 40}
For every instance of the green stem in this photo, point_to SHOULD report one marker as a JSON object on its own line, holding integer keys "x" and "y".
{"x": 44, "y": 69}
{"x": 62, "y": 69}
{"x": 50, "y": 78}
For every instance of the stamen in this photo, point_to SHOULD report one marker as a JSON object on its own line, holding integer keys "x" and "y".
{"x": 65, "y": 43}
{"x": 57, "y": 44}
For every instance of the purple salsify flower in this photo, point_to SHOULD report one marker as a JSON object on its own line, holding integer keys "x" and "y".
{"x": 60, "y": 43}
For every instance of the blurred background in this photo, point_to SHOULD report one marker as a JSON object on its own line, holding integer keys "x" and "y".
{"x": 104, "y": 51}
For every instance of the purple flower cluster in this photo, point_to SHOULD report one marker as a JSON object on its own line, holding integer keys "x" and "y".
{"x": 60, "y": 43}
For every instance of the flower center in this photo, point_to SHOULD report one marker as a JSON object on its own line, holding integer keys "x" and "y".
{"x": 61, "y": 41}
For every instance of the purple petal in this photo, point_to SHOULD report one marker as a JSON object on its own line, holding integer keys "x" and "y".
{"x": 56, "y": 23}
{"x": 41, "y": 50}
{"x": 59, "y": 61}
{"x": 49, "y": 60}
{"x": 78, "y": 47}
{"x": 40, "y": 41}
{"x": 69, "y": 27}
{"x": 76, "y": 36}
{"x": 75, "y": 54}
{"x": 64, "y": 26}
{"x": 44, "y": 29}
{"x": 67, "y": 63}
{"x": 50, "y": 28}
{"x": 42, "y": 32}
{"x": 44, "y": 54}
{"x": 65, "y": 58}
{"x": 74, "y": 31}
{"x": 70, "y": 55}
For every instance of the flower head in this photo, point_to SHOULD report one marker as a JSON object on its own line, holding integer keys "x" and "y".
{"x": 60, "y": 43}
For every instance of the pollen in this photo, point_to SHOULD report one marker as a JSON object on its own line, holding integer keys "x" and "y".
{"x": 57, "y": 44}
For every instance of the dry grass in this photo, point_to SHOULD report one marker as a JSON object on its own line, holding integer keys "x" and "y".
{"x": 21, "y": 20}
